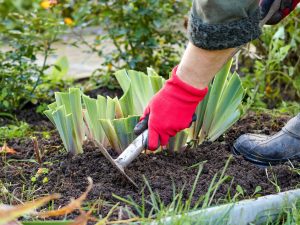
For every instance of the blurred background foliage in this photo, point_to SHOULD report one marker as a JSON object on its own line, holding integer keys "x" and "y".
{"x": 143, "y": 33}
{"x": 271, "y": 66}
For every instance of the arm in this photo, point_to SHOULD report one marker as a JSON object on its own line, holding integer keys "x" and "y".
{"x": 216, "y": 28}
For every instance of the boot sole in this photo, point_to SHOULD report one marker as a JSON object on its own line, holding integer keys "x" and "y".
{"x": 260, "y": 163}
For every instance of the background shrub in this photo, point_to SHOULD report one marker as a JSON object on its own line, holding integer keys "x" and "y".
{"x": 144, "y": 32}
{"x": 26, "y": 34}
{"x": 273, "y": 69}
{"x": 141, "y": 34}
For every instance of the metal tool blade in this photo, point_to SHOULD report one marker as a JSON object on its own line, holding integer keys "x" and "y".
{"x": 128, "y": 155}
{"x": 112, "y": 161}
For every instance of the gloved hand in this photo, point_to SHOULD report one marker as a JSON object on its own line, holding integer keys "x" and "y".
{"x": 286, "y": 7}
{"x": 169, "y": 111}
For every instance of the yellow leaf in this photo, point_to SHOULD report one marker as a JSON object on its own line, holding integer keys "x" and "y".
{"x": 47, "y": 4}
{"x": 69, "y": 21}
{"x": 109, "y": 67}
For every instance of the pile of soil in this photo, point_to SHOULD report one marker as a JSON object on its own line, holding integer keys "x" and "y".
{"x": 163, "y": 171}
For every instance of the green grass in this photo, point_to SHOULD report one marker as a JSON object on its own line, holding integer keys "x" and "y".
{"x": 178, "y": 206}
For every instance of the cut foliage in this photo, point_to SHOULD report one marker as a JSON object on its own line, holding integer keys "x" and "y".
{"x": 111, "y": 121}
{"x": 221, "y": 108}
{"x": 138, "y": 90}
{"x": 95, "y": 110}
{"x": 66, "y": 115}
{"x": 120, "y": 131}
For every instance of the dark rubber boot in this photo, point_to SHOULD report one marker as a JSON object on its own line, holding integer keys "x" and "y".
{"x": 271, "y": 150}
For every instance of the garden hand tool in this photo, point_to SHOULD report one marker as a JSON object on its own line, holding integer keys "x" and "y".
{"x": 128, "y": 155}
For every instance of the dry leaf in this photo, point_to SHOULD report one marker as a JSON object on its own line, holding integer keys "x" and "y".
{"x": 9, "y": 207}
{"x": 15, "y": 222}
{"x": 84, "y": 217}
{"x": 10, "y": 213}
{"x": 72, "y": 206}
{"x": 7, "y": 150}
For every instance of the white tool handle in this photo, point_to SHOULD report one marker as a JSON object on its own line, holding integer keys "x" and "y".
{"x": 133, "y": 150}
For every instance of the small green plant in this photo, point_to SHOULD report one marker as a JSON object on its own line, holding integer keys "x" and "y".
{"x": 240, "y": 191}
{"x": 41, "y": 174}
{"x": 14, "y": 131}
{"x": 256, "y": 192}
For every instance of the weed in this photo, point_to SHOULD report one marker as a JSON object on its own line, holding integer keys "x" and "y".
{"x": 41, "y": 174}
{"x": 273, "y": 180}
{"x": 14, "y": 131}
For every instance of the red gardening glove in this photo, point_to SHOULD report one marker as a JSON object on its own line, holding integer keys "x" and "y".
{"x": 286, "y": 7}
{"x": 169, "y": 111}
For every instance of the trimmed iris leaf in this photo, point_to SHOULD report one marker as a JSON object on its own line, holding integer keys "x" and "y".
{"x": 120, "y": 131}
{"x": 177, "y": 143}
{"x": 96, "y": 109}
{"x": 111, "y": 121}
{"x": 221, "y": 108}
{"x": 66, "y": 115}
{"x": 138, "y": 89}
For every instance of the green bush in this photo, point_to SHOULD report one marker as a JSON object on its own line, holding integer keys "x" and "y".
{"x": 18, "y": 75}
{"x": 8, "y": 6}
{"x": 26, "y": 35}
{"x": 144, "y": 32}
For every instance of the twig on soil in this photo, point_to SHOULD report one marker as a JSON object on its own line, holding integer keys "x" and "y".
{"x": 37, "y": 152}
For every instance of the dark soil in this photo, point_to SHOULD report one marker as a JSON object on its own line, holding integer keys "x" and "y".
{"x": 105, "y": 92}
{"x": 68, "y": 175}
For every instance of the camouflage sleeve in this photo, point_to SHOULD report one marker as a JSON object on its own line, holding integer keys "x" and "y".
{"x": 221, "y": 24}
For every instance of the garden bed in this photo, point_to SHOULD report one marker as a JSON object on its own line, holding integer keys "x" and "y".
{"x": 68, "y": 175}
